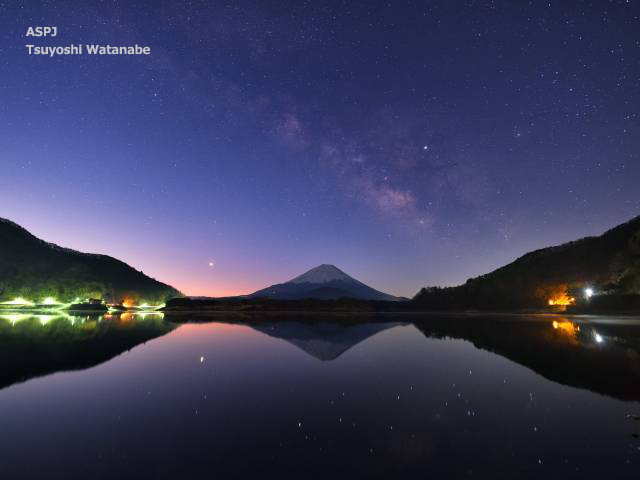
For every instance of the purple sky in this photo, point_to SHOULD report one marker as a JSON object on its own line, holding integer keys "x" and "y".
{"x": 410, "y": 144}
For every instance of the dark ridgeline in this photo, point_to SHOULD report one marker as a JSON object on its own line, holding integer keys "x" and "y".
{"x": 32, "y": 268}
{"x": 609, "y": 263}
{"x": 305, "y": 305}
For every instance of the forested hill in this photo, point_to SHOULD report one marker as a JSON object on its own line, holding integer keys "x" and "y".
{"x": 609, "y": 264}
{"x": 34, "y": 269}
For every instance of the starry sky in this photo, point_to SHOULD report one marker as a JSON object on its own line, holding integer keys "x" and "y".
{"x": 409, "y": 143}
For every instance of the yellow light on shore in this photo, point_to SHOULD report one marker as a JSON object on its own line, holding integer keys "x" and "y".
{"x": 562, "y": 300}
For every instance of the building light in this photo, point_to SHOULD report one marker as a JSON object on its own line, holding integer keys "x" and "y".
{"x": 561, "y": 300}
{"x": 588, "y": 292}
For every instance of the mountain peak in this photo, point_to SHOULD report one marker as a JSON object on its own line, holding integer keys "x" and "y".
{"x": 322, "y": 282}
{"x": 322, "y": 274}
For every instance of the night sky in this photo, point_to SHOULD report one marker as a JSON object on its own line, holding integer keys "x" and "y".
{"x": 408, "y": 143}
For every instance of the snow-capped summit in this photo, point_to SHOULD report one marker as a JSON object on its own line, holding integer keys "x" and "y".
{"x": 322, "y": 274}
{"x": 323, "y": 282}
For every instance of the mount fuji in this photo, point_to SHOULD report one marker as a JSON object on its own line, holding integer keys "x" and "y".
{"x": 325, "y": 282}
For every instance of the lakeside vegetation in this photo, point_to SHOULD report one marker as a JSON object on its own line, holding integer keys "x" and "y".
{"x": 575, "y": 274}
{"x": 35, "y": 270}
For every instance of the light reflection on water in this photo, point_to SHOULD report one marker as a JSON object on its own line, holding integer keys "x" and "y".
{"x": 264, "y": 396}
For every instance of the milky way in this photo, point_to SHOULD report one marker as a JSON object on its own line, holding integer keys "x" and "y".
{"x": 409, "y": 143}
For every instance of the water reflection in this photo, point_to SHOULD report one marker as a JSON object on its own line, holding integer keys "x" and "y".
{"x": 323, "y": 340}
{"x": 365, "y": 397}
{"x": 596, "y": 354}
{"x": 566, "y": 327}
{"x": 35, "y": 344}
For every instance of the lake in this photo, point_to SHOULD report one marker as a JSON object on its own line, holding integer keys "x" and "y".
{"x": 153, "y": 396}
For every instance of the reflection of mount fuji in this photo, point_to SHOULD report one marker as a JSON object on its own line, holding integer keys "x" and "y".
{"x": 324, "y": 341}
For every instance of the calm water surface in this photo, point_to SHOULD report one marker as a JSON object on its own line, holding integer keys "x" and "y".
{"x": 137, "y": 396}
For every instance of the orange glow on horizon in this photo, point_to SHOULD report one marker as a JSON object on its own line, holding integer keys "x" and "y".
{"x": 199, "y": 290}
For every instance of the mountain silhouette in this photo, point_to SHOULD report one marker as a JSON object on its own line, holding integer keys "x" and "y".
{"x": 609, "y": 263}
{"x": 325, "y": 282}
{"x": 33, "y": 269}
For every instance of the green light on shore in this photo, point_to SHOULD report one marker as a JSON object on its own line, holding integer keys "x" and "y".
{"x": 50, "y": 301}
{"x": 19, "y": 301}
{"x": 146, "y": 306}
{"x": 144, "y": 315}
